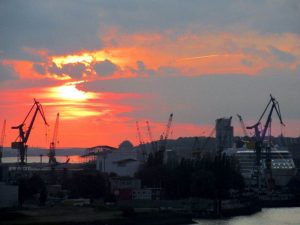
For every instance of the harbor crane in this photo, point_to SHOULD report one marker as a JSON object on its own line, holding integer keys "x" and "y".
{"x": 163, "y": 137}
{"x": 260, "y": 135}
{"x": 153, "y": 146}
{"x": 54, "y": 142}
{"x": 2, "y": 137}
{"x": 243, "y": 125}
{"x": 141, "y": 141}
{"x": 21, "y": 141}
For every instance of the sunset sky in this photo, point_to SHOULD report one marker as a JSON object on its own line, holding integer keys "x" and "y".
{"x": 103, "y": 65}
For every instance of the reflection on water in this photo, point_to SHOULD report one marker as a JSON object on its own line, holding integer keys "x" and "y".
{"x": 279, "y": 216}
{"x": 45, "y": 159}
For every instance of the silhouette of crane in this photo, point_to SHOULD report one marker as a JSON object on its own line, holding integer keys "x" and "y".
{"x": 164, "y": 138}
{"x": 260, "y": 136}
{"x": 21, "y": 141}
{"x": 54, "y": 142}
{"x": 243, "y": 125}
{"x": 153, "y": 145}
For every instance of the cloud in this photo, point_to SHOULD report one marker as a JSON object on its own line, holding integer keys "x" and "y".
{"x": 7, "y": 72}
{"x": 39, "y": 68}
{"x": 74, "y": 70}
{"x": 58, "y": 26}
{"x": 62, "y": 27}
{"x": 263, "y": 16}
{"x": 142, "y": 70}
{"x": 105, "y": 68}
{"x": 282, "y": 56}
{"x": 247, "y": 62}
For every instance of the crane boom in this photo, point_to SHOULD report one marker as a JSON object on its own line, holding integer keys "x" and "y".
{"x": 260, "y": 135}
{"x": 243, "y": 125}
{"x": 169, "y": 126}
{"x": 2, "y": 140}
{"x": 24, "y": 135}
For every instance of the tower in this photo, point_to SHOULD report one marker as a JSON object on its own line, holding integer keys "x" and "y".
{"x": 224, "y": 133}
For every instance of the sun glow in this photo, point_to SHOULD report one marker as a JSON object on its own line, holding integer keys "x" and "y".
{"x": 70, "y": 92}
{"x": 84, "y": 58}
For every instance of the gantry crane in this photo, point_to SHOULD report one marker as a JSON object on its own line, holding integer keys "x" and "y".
{"x": 2, "y": 140}
{"x": 54, "y": 142}
{"x": 260, "y": 136}
{"x": 21, "y": 141}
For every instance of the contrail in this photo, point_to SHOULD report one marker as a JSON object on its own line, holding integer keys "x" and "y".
{"x": 202, "y": 57}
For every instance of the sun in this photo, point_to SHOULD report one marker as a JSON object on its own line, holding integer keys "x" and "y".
{"x": 70, "y": 92}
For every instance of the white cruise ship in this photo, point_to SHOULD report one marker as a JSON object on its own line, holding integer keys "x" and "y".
{"x": 282, "y": 164}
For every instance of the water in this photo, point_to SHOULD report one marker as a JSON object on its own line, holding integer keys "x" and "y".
{"x": 45, "y": 159}
{"x": 277, "y": 216}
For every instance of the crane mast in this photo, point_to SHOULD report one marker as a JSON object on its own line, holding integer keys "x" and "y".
{"x": 23, "y": 137}
{"x": 54, "y": 142}
{"x": 2, "y": 140}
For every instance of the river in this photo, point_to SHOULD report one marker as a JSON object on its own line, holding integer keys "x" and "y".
{"x": 275, "y": 216}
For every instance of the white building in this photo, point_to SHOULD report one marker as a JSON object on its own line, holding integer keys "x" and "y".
{"x": 123, "y": 161}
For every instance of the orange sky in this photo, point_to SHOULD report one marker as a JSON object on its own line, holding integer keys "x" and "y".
{"x": 84, "y": 83}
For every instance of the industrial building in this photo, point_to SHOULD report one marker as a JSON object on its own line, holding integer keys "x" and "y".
{"x": 224, "y": 133}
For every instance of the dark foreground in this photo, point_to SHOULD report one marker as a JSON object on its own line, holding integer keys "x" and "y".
{"x": 91, "y": 216}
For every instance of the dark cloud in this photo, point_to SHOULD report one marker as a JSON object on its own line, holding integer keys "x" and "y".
{"x": 7, "y": 73}
{"x": 58, "y": 26}
{"x": 142, "y": 70}
{"x": 74, "y": 70}
{"x": 105, "y": 68}
{"x": 39, "y": 68}
{"x": 282, "y": 56}
{"x": 68, "y": 26}
{"x": 260, "y": 15}
{"x": 54, "y": 69}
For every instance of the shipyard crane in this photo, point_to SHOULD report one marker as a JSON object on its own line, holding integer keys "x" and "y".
{"x": 243, "y": 125}
{"x": 260, "y": 136}
{"x": 141, "y": 141}
{"x": 21, "y": 141}
{"x": 2, "y": 137}
{"x": 150, "y": 137}
{"x": 54, "y": 142}
{"x": 164, "y": 136}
